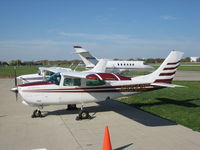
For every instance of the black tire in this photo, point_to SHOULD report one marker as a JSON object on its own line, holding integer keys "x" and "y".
{"x": 83, "y": 114}
{"x": 34, "y": 114}
{"x": 71, "y": 107}
{"x": 37, "y": 113}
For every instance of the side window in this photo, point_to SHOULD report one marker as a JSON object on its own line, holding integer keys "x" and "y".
{"x": 77, "y": 82}
{"x": 72, "y": 82}
{"x": 90, "y": 82}
{"x": 55, "y": 79}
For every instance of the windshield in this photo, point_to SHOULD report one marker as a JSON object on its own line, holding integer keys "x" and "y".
{"x": 55, "y": 78}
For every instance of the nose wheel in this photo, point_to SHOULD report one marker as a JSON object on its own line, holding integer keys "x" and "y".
{"x": 83, "y": 114}
{"x": 37, "y": 113}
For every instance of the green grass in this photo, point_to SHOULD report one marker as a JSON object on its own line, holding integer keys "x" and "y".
{"x": 4, "y": 71}
{"x": 21, "y": 70}
{"x": 180, "y": 105}
{"x": 131, "y": 74}
{"x": 189, "y": 68}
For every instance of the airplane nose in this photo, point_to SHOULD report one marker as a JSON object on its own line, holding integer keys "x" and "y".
{"x": 15, "y": 89}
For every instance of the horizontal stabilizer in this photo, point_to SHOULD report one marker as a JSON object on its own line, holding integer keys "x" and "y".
{"x": 166, "y": 85}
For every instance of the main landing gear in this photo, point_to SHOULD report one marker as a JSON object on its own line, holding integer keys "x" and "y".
{"x": 71, "y": 107}
{"x": 83, "y": 114}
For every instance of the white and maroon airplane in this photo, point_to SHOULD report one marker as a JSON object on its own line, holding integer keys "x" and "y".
{"x": 85, "y": 87}
{"x": 112, "y": 65}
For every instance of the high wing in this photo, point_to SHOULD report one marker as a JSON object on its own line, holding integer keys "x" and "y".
{"x": 75, "y": 74}
{"x": 100, "y": 67}
{"x": 57, "y": 69}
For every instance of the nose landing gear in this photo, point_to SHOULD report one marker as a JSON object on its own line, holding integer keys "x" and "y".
{"x": 83, "y": 114}
{"x": 37, "y": 113}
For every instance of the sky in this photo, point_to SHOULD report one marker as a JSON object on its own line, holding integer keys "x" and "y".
{"x": 124, "y": 29}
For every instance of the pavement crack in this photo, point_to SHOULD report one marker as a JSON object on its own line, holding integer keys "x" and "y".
{"x": 68, "y": 128}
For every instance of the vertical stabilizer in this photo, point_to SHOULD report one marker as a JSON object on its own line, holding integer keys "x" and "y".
{"x": 166, "y": 72}
{"x": 100, "y": 67}
{"x": 86, "y": 57}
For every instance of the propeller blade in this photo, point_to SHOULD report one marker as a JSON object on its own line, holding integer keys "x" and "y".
{"x": 16, "y": 95}
{"x": 15, "y": 76}
{"x": 16, "y": 89}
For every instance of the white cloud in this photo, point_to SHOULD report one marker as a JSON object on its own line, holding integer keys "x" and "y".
{"x": 101, "y": 45}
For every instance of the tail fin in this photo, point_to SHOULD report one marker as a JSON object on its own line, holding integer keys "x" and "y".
{"x": 100, "y": 67}
{"x": 85, "y": 55}
{"x": 166, "y": 72}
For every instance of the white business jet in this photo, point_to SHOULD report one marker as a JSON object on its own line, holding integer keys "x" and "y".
{"x": 86, "y": 87}
{"x": 112, "y": 65}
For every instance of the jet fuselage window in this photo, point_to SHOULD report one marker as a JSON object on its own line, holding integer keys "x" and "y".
{"x": 91, "y": 82}
{"x": 72, "y": 82}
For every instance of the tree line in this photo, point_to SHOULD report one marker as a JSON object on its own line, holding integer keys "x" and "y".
{"x": 39, "y": 63}
{"x": 73, "y": 62}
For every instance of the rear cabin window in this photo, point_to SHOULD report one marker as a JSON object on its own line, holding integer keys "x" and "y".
{"x": 72, "y": 82}
{"x": 91, "y": 82}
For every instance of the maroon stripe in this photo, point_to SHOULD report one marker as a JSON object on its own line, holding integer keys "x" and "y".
{"x": 167, "y": 74}
{"x": 36, "y": 83}
{"x": 92, "y": 76}
{"x": 174, "y": 63}
{"x": 77, "y": 47}
{"x": 123, "y": 77}
{"x": 163, "y": 80}
{"x": 95, "y": 91}
{"x": 107, "y": 76}
{"x": 102, "y": 87}
{"x": 170, "y": 68}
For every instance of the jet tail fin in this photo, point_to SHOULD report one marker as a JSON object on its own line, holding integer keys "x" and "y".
{"x": 86, "y": 57}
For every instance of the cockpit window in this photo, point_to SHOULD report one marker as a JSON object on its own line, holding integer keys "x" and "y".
{"x": 145, "y": 63}
{"x": 72, "y": 82}
{"x": 55, "y": 78}
{"x": 49, "y": 73}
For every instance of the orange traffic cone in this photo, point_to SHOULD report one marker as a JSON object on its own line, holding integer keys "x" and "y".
{"x": 106, "y": 142}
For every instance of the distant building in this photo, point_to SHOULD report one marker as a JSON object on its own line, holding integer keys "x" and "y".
{"x": 194, "y": 59}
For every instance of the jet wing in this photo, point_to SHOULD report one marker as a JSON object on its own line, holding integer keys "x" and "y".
{"x": 166, "y": 85}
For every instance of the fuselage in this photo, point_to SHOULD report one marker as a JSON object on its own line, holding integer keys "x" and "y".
{"x": 75, "y": 90}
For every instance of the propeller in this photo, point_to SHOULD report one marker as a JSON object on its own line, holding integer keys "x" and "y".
{"x": 15, "y": 73}
{"x": 15, "y": 89}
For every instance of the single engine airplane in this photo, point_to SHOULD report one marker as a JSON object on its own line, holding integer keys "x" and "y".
{"x": 69, "y": 87}
{"x": 112, "y": 65}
